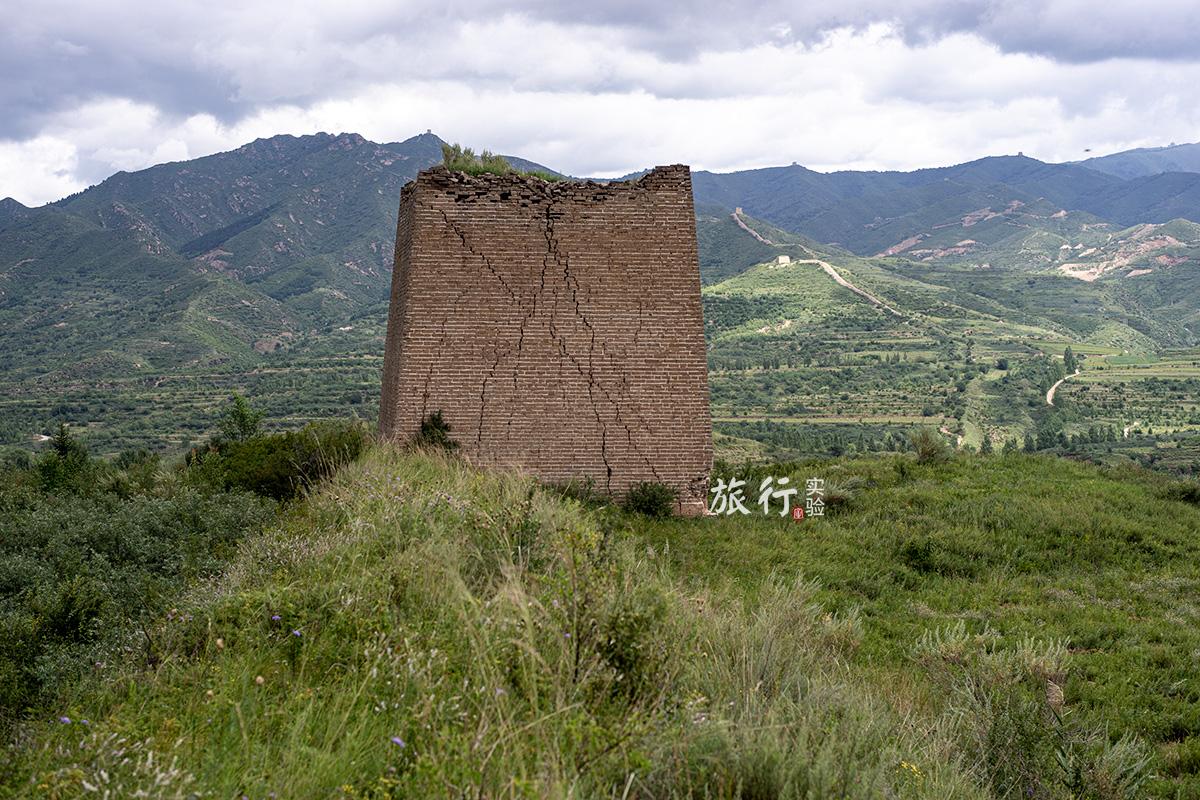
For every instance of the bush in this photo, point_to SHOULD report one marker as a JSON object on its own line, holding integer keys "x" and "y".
{"x": 435, "y": 432}
{"x": 15, "y": 459}
{"x": 281, "y": 465}
{"x": 1007, "y": 701}
{"x": 463, "y": 159}
{"x": 1184, "y": 492}
{"x": 651, "y": 499}
{"x": 841, "y": 493}
{"x": 76, "y": 568}
{"x": 929, "y": 447}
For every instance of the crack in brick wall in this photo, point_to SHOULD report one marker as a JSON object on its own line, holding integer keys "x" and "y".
{"x": 557, "y": 327}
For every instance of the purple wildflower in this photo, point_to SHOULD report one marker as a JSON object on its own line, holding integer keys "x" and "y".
{"x": 396, "y": 740}
{"x": 295, "y": 633}
{"x": 275, "y": 618}
{"x": 65, "y": 720}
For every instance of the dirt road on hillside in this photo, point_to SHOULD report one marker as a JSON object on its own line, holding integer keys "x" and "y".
{"x": 830, "y": 270}
{"x": 1054, "y": 388}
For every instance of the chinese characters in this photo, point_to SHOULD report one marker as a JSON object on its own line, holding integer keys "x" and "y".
{"x": 730, "y": 497}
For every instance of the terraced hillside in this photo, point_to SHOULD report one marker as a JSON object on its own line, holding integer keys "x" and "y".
{"x": 137, "y": 306}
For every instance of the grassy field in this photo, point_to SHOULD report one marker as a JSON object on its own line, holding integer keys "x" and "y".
{"x": 985, "y": 627}
{"x": 1011, "y": 546}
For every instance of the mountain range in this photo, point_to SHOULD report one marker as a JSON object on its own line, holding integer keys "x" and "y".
{"x": 869, "y": 212}
{"x": 278, "y": 245}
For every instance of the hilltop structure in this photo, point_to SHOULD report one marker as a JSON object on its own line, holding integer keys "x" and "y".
{"x": 556, "y": 326}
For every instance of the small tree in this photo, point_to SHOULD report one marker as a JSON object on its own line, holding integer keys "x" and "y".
{"x": 65, "y": 466}
{"x": 240, "y": 421}
{"x": 986, "y": 448}
{"x": 63, "y": 443}
{"x": 1069, "y": 361}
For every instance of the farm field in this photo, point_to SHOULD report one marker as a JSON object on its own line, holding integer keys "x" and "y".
{"x": 800, "y": 364}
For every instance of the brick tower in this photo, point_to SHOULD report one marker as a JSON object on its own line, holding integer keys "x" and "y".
{"x": 556, "y": 326}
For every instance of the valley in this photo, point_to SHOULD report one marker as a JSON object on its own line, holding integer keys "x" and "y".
{"x": 138, "y": 306}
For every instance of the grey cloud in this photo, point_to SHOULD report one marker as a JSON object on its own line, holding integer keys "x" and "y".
{"x": 189, "y": 56}
{"x": 1066, "y": 30}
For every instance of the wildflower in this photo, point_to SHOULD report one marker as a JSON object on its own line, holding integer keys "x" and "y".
{"x": 260, "y": 680}
{"x": 220, "y": 644}
{"x": 65, "y": 720}
{"x": 396, "y": 740}
{"x": 275, "y": 618}
{"x": 209, "y": 694}
{"x": 295, "y": 633}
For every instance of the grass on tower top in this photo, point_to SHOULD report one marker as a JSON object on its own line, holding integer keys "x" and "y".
{"x": 464, "y": 159}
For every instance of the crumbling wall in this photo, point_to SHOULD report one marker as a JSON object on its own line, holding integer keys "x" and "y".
{"x": 556, "y": 326}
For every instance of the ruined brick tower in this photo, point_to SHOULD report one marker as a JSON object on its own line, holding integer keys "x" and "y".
{"x": 556, "y": 326}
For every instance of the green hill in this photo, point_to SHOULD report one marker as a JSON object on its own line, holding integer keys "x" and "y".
{"x": 984, "y": 627}
{"x": 1148, "y": 161}
{"x": 134, "y": 307}
{"x": 307, "y": 220}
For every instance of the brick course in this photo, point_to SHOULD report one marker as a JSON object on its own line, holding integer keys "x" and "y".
{"x": 556, "y": 326}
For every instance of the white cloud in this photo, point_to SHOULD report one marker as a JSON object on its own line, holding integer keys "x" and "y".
{"x": 38, "y": 170}
{"x": 592, "y": 99}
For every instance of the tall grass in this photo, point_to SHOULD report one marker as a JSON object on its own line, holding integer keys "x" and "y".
{"x": 421, "y": 629}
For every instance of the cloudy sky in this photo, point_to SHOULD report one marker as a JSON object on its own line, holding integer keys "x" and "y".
{"x": 599, "y": 88}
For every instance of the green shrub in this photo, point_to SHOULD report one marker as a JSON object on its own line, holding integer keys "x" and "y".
{"x": 1008, "y": 701}
{"x": 282, "y": 465}
{"x": 841, "y": 493}
{"x": 929, "y": 446}
{"x": 435, "y": 432}
{"x": 463, "y": 159}
{"x": 651, "y": 499}
{"x": 1184, "y": 492}
{"x": 77, "y": 567}
{"x": 15, "y": 459}
{"x": 65, "y": 466}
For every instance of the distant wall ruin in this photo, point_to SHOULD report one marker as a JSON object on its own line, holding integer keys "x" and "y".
{"x": 556, "y": 326}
